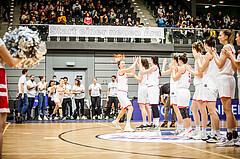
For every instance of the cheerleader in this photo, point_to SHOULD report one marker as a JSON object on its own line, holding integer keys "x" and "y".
{"x": 183, "y": 79}
{"x": 122, "y": 94}
{"x": 173, "y": 97}
{"x": 226, "y": 84}
{"x": 209, "y": 93}
{"x": 236, "y": 62}
{"x": 143, "y": 95}
{"x": 5, "y": 57}
{"x": 58, "y": 98}
{"x": 153, "y": 87}
{"x": 197, "y": 102}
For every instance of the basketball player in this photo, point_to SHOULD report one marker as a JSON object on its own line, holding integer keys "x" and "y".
{"x": 197, "y": 48}
{"x": 226, "y": 84}
{"x": 209, "y": 95}
{"x": 173, "y": 97}
{"x": 60, "y": 90}
{"x": 5, "y": 57}
{"x": 236, "y": 63}
{"x": 122, "y": 94}
{"x": 153, "y": 87}
{"x": 143, "y": 95}
{"x": 183, "y": 79}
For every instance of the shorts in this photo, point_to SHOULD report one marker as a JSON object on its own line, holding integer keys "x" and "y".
{"x": 239, "y": 89}
{"x": 58, "y": 99}
{"x": 226, "y": 86}
{"x": 153, "y": 95}
{"x": 183, "y": 97}
{"x": 143, "y": 95}
{"x": 173, "y": 98}
{"x": 209, "y": 94}
{"x": 197, "y": 96}
{"x": 4, "y": 108}
{"x": 123, "y": 99}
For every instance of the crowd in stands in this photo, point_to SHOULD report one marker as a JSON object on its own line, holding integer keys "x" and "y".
{"x": 80, "y": 12}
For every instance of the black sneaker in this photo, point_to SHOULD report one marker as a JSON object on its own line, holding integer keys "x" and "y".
{"x": 142, "y": 127}
{"x": 209, "y": 124}
{"x": 164, "y": 125}
{"x": 150, "y": 125}
{"x": 172, "y": 125}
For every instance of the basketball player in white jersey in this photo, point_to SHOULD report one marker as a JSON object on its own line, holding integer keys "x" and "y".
{"x": 209, "y": 94}
{"x": 173, "y": 97}
{"x": 153, "y": 88}
{"x": 60, "y": 90}
{"x": 183, "y": 79}
{"x": 236, "y": 62}
{"x": 226, "y": 83}
{"x": 143, "y": 95}
{"x": 197, "y": 102}
{"x": 122, "y": 94}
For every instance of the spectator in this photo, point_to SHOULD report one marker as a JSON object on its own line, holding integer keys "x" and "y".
{"x": 161, "y": 21}
{"x": 112, "y": 15}
{"x": 51, "y": 104}
{"x": 54, "y": 78}
{"x": 206, "y": 31}
{"x": 60, "y": 8}
{"x": 67, "y": 8}
{"x": 176, "y": 32}
{"x": 103, "y": 16}
{"x": 67, "y": 101}
{"x": 24, "y": 9}
{"x": 183, "y": 31}
{"x": 42, "y": 88}
{"x": 209, "y": 19}
{"x": 34, "y": 10}
{"x": 34, "y": 21}
{"x": 95, "y": 91}
{"x": 76, "y": 9}
{"x": 234, "y": 25}
{"x": 79, "y": 95}
{"x": 117, "y": 23}
{"x": 88, "y": 20}
{"x": 22, "y": 94}
{"x": 187, "y": 16}
{"x": 42, "y": 10}
{"x": 85, "y": 8}
{"x": 192, "y": 21}
{"x": 25, "y": 17}
{"x": 170, "y": 10}
{"x": 43, "y": 18}
{"x": 226, "y": 20}
{"x": 61, "y": 18}
{"x": 130, "y": 24}
{"x": 190, "y": 32}
{"x": 31, "y": 93}
{"x": 49, "y": 7}
{"x": 92, "y": 8}
{"x": 96, "y": 18}
{"x": 98, "y": 4}
{"x": 26, "y": 21}
{"x": 219, "y": 18}
{"x": 137, "y": 40}
{"x": 199, "y": 31}
{"x": 179, "y": 17}
{"x": 6, "y": 11}
{"x": 161, "y": 9}
{"x": 52, "y": 19}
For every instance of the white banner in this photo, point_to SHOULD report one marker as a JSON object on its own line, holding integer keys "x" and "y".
{"x": 105, "y": 31}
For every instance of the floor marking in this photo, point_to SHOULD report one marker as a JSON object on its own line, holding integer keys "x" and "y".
{"x": 50, "y": 138}
{"x": 216, "y": 154}
{"x": 6, "y": 128}
{"x": 108, "y": 125}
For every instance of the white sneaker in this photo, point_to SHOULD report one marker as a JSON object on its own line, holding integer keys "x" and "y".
{"x": 55, "y": 118}
{"x": 84, "y": 117}
{"x": 45, "y": 118}
{"x": 200, "y": 136}
{"x": 225, "y": 142}
{"x": 72, "y": 118}
{"x": 237, "y": 143}
{"x": 185, "y": 133}
{"x": 194, "y": 133}
{"x": 177, "y": 131}
{"x": 94, "y": 118}
{"x": 78, "y": 118}
{"x": 106, "y": 118}
{"x": 128, "y": 129}
{"x": 39, "y": 118}
{"x": 99, "y": 117}
{"x": 214, "y": 139}
{"x": 116, "y": 123}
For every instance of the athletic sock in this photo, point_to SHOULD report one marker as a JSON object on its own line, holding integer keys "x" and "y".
{"x": 128, "y": 124}
{"x": 213, "y": 132}
{"x": 156, "y": 122}
{"x": 218, "y": 133}
{"x": 198, "y": 128}
{"x": 144, "y": 123}
{"x": 180, "y": 126}
{"x": 204, "y": 130}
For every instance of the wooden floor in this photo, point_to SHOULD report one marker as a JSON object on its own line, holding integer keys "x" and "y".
{"x": 78, "y": 140}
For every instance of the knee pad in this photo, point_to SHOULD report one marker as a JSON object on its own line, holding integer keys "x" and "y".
{"x": 155, "y": 111}
{"x": 184, "y": 112}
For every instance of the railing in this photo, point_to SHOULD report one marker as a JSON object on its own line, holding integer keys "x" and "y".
{"x": 170, "y": 35}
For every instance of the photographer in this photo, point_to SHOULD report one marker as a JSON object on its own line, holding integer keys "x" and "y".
{"x": 161, "y": 21}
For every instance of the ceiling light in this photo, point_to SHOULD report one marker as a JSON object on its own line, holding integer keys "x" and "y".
{"x": 188, "y": 0}
{"x": 206, "y": 6}
{"x": 221, "y": 1}
{"x": 214, "y": 5}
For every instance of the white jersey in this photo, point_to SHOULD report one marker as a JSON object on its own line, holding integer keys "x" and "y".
{"x": 144, "y": 81}
{"x": 227, "y": 67}
{"x": 238, "y": 70}
{"x": 122, "y": 81}
{"x": 95, "y": 89}
{"x": 79, "y": 89}
{"x": 210, "y": 75}
{"x": 60, "y": 91}
{"x": 184, "y": 80}
{"x": 197, "y": 80}
{"x": 153, "y": 78}
{"x": 173, "y": 85}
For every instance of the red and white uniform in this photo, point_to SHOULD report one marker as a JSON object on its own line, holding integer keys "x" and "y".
{"x": 210, "y": 91}
{"x": 183, "y": 93}
{"x": 153, "y": 87}
{"x": 4, "y": 108}
{"x": 238, "y": 76}
{"x": 225, "y": 81}
{"x": 143, "y": 90}
{"x": 173, "y": 87}
{"x": 197, "y": 82}
{"x": 58, "y": 97}
{"x": 122, "y": 93}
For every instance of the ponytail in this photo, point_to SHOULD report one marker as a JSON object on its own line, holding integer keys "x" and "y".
{"x": 198, "y": 46}
{"x": 155, "y": 61}
{"x": 183, "y": 58}
{"x": 230, "y": 34}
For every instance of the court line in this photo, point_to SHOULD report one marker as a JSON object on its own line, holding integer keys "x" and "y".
{"x": 205, "y": 151}
{"x": 6, "y": 128}
{"x": 107, "y": 125}
{"x": 106, "y": 149}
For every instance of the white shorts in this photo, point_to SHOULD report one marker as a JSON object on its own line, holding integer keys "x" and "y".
{"x": 183, "y": 97}
{"x": 123, "y": 99}
{"x": 173, "y": 98}
{"x": 58, "y": 99}
{"x": 197, "y": 96}
{"x": 226, "y": 86}
{"x": 209, "y": 94}
{"x": 153, "y": 95}
{"x": 143, "y": 95}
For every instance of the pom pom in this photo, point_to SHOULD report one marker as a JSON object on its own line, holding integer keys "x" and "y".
{"x": 25, "y": 43}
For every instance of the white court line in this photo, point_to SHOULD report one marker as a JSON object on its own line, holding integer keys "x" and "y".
{"x": 6, "y": 128}
{"x": 205, "y": 151}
